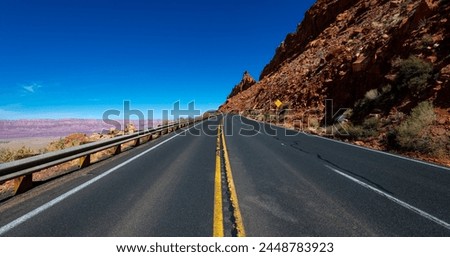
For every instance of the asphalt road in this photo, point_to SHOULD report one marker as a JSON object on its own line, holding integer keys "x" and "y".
{"x": 292, "y": 184}
{"x": 165, "y": 192}
{"x": 287, "y": 184}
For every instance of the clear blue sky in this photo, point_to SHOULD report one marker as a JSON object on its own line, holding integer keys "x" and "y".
{"x": 78, "y": 58}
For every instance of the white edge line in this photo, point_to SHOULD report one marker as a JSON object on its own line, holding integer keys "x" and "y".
{"x": 60, "y": 198}
{"x": 357, "y": 146}
{"x": 395, "y": 200}
{"x": 381, "y": 152}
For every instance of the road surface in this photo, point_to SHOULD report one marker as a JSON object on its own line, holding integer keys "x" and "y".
{"x": 287, "y": 184}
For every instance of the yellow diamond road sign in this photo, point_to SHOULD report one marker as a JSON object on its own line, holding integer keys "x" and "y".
{"x": 278, "y": 103}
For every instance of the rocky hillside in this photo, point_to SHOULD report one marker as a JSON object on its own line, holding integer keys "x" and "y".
{"x": 385, "y": 64}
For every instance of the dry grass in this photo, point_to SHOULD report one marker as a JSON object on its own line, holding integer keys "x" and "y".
{"x": 8, "y": 155}
{"x": 414, "y": 74}
{"x": 412, "y": 134}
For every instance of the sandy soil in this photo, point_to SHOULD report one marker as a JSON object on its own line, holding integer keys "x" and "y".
{"x": 34, "y": 143}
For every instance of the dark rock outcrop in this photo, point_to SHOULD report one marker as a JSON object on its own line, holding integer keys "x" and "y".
{"x": 246, "y": 82}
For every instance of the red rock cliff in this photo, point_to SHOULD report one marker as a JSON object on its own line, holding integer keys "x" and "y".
{"x": 357, "y": 53}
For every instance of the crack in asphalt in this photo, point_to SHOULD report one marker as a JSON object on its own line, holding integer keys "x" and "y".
{"x": 296, "y": 145}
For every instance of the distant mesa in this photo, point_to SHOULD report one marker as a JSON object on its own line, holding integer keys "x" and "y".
{"x": 13, "y": 129}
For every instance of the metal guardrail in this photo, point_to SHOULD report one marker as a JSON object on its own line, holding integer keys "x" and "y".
{"x": 22, "y": 170}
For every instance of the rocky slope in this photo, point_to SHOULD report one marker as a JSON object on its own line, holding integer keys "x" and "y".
{"x": 376, "y": 59}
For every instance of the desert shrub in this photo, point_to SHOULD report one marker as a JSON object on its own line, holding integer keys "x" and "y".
{"x": 8, "y": 155}
{"x": 413, "y": 74}
{"x": 313, "y": 122}
{"x": 423, "y": 23}
{"x": 427, "y": 40}
{"x": 372, "y": 123}
{"x": 369, "y": 128}
{"x": 372, "y": 94}
{"x": 368, "y": 101}
{"x": 59, "y": 144}
{"x": 355, "y": 132}
{"x": 381, "y": 98}
{"x": 412, "y": 134}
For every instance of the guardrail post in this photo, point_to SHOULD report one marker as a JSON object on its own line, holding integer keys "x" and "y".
{"x": 137, "y": 142}
{"x": 118, "y": 150}
{"x": 85, "y": 161}
{"x": 23, "y": 183}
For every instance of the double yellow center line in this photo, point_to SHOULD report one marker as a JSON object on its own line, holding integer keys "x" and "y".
{"x": 218, "y": 208}
{"x": 218, "y": 227}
